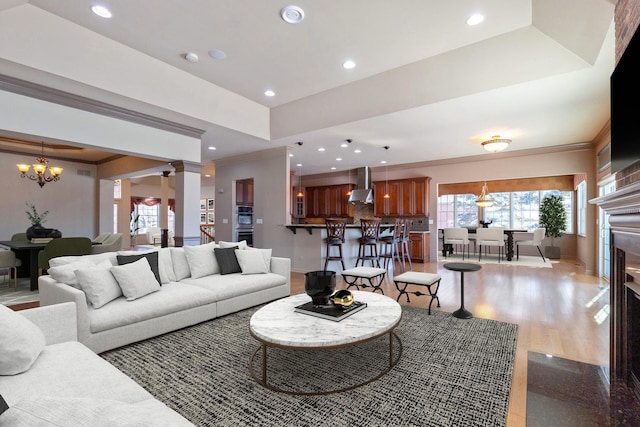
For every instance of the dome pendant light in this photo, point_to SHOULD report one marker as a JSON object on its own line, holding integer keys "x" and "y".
{"x": 496, "y": 144}
{"x": 484, "y": 201}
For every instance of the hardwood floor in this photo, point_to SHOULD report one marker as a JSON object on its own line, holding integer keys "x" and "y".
{"x": 556, "y": 310}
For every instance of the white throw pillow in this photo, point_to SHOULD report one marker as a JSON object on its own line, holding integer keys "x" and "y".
{"x": 251, "y": 262}
{"x": 202, "y": 260}
{"x": 135, "y": 279}
{"x": 20, "y": 342}
{"x": 165, "y": 265}
{"x": 98, "y": 284}
{"x": 180, "y": 264}
{"x": 93, "y": 258}
{"x": 266, "y": 254}
{"x": 242, "y": 244}
{"x": 66, "y": 273}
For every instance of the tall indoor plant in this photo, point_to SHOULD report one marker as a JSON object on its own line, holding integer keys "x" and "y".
{"x": 553, "y": 217}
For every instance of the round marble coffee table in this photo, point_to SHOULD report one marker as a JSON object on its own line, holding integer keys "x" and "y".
{"x": 278, "y": 325}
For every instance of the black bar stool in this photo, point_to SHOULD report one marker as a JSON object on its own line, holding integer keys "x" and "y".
{"x": 368, "y": 248}
{"x": 389, "y": 249}
{"x": 335, "y": 238}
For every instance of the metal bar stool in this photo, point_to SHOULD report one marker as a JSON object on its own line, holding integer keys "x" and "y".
{"x": 389, "y": 250}
{"x": 335, "y": 238}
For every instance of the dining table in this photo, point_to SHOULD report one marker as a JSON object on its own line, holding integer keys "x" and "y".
{"x": 509, "y": 232}
{"x": 20, "y": 247}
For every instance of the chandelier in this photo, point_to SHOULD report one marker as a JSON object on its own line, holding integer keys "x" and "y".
{"x": 40, "y": 170}
{"x": 483, "y": 201}
{"x": 496, "y": 144}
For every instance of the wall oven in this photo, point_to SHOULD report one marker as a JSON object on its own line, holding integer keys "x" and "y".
{"x": 244, "y": 217}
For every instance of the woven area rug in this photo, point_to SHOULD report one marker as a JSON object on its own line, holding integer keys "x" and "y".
{"x": 452, "y": 372}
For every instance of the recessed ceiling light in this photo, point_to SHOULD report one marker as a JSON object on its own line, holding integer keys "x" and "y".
{"x": 475, "y": 19}
{"x": 269, "y": 93}
{"x": 344, "y": 144}
{"x": 338, "y": 159}
{"x": 217, "y": 54}
{"x": 357, "y": 151}
{"x": 207, "y": 175}
{"x": 383, "y": 161}
{"x": 333, "y": 168}
{"x": 321, "y": 149}
{"x": 191, "y": 57}
{"x": 211, "y": 147}
{"x": 292, "y": 14}
{"x": 348, "y": 64}
{"x": 290, "y": 154}
{"x": 299, "y": 164}
{"x": 101, "y": 11}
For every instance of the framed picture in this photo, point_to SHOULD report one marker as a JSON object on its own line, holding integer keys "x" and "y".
{"x": 211, "y": 204}
{"x": 211, "y": 217}
{"x": 203, "y": 218}
{"x": 203, "y": 205}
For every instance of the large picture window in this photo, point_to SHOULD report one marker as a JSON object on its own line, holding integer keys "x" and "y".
{"x": 457, "y": 210}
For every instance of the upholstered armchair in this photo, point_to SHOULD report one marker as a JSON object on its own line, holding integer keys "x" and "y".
{"x": 112, "y": 243}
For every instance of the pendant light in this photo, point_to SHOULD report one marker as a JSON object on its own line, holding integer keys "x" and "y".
{"x": 484, "y": 201}
{"x": 300, "y": 194}
{"x": 386, "y": 176}
{"x": 349, "y": 184}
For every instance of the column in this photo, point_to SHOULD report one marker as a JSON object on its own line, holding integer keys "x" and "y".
{"x": 164, "y": 209}
{"x": 187, "y": 202}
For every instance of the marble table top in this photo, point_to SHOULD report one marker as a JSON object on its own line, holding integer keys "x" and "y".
{"x": 277, "y": 323}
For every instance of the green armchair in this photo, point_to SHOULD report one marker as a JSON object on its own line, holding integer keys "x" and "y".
{"x": 62, "y": 247}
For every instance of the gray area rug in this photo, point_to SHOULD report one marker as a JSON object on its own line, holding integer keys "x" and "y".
{"x": 452, "y": 372}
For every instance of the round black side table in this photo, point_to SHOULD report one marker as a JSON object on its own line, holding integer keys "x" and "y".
{"x": 462, "y": 313}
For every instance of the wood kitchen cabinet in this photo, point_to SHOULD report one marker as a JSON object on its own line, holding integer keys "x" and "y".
{"x": 244, "y": 192}
{"x": 407, "y": 197}
{"x": 327, "y": 201}
{"x": 419, "y": 247}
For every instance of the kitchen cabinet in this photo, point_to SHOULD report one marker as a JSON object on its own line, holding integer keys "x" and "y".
{"x": 407, "y": 197}
{"x": 244, "y": 192}
{"x": 419, "y": 246}
{"x": 327, "y": 201}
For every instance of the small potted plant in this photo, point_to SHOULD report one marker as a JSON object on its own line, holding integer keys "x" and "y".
{"x": 553, "y": 217}
{"x": 36, "y": 219}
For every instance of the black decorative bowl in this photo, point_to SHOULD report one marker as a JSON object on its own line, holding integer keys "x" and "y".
{"x": 319, "y": 285}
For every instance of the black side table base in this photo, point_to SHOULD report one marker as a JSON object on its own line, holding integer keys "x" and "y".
{"x": 462, "y": 313}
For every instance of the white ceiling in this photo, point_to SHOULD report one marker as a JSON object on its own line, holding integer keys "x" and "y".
{"x": 426, "y": 84}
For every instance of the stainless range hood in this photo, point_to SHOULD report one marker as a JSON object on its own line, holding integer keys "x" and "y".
{"x": 363, "y": 192}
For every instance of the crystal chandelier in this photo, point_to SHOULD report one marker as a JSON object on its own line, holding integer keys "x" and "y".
{"x": 40, "y": 170}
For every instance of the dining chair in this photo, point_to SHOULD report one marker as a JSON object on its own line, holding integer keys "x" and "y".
{"x": 457, "y": 236}
{"x": 368, "y": 242}
{"x": 63, "y": 246}
{"x": 112, "y": 243}
{"x": 10, "y": 263}
{"x": 101, "y": 237}
{"x": 538, "y": 236}
{"x": 335, "y": 228}
{"x": 19, "y": 237}
{"x": 488, "y": 237}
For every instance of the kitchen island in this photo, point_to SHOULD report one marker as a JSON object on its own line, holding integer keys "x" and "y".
{"x": 310, "y": 248}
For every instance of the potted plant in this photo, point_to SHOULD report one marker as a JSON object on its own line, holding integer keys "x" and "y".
{"x": 553, "y": 217}
{"x": 133, "y": 227}
{"x": 36, "y": 219}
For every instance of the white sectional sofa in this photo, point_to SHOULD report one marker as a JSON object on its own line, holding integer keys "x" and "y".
{"x": 193, "y": 289}
{"x": 48, "y": 378}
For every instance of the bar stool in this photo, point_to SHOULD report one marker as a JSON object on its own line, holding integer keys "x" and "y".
{"x": 389, "y": 246}
{"x": 370, "y": 229}
{"x": 335, "y": 238}
{"x": 405, "y": 254}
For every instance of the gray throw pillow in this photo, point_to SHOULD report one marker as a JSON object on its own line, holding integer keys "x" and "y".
{"x": 227, "y": 260}
{"x": 152, "y": 257}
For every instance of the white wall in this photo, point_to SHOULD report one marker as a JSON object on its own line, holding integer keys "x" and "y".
{"x": 70, "y": 201}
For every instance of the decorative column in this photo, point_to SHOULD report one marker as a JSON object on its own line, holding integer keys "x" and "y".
{"x": 187, "y": 202}
{"x": 164, "y": 209}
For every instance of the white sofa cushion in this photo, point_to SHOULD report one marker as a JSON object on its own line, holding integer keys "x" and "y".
{"x": 266, "y": 255}
{"x": 20, "y": 342}
{"x": 171, "y": 298}
{"x": 136, "y": 279}
{"x": 98, "y": 284}
{"x": 180, "y": 264}
{"x": 251, "y": 262}
{"x": 165, "y": 263}
{"x": 80, "y": 411}
{"x": 152, "y": 258}
{"x": 66, "y": 273}
{"x": 234, "y": 285}
{"x": 95, "y": 259}
{"x": 201, "y": 259}
{"x": 70, "y": 369}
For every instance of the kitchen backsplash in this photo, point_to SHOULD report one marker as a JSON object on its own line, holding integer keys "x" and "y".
{"x": 420, "y": 223}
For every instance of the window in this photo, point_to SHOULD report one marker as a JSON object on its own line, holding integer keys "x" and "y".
{"x": 148, "y": 216}
{"x": 519, "y": 210}
{"x": 457, "y": 210}
{"x": 581, "y": 214}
